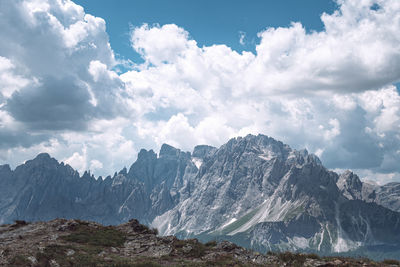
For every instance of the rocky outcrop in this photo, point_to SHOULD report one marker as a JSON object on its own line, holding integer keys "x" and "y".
{"x": 63, "y": 242}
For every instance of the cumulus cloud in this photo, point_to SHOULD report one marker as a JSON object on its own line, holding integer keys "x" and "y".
{"x": 328, "y": 91}
{"x": 50, "y": 51}
{"x": 156, "y": 45}
{"x": 56, "y": 79}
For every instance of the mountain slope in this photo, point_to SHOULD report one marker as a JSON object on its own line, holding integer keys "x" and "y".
{"x": 387, "y": 195}
{"x": 255, "y": 191}
{"x": 260, "y": 193}
{"x": 43, "y": 189}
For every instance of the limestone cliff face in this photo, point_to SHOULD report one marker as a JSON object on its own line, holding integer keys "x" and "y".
{"x": 43, "y": 189}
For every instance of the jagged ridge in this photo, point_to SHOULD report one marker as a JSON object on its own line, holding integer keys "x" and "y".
{"x": 253, "y": 190}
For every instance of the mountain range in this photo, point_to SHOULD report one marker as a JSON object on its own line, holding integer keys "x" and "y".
{"x": 254, "y": 191}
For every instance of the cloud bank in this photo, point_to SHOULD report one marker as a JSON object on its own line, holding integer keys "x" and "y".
{"x": 331, "y": 91}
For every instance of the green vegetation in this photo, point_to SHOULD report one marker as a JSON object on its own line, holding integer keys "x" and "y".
{"x": 226, "y": 260}
{"x": 191, "y": 247}
{"x": 19, "y": 223}
{"x": 84, "y": 256}
{"x": 293, "y": 213}
{"x": 238, "y": 223}
{"x": 391, "y": 262}
{"x": 294, "y": 259}
{"x": 20, "y": 260}
{"x": 313, "y": 256}
{"x": 102, "y": 236}
{"x": 90, "y": 244}
{"x": 211, "y": 244}
{"x": 53, "y": 252}
{"x": 154, "y": 230}
{"x": 141, "y": 228}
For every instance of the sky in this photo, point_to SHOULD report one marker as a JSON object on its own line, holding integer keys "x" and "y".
{"x": 93, "y": 82}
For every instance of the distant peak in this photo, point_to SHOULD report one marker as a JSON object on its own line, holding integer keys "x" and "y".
{"x": 87, "y": 175}
{"x": 350, "y": 178}
{"x": 123, "y": 171}
{"x": 202, "y": 151}
{"x": 168, "y": 150}
{"x": 258, "y": 136}
{"x": 5, "y": 168}
{"x": 143, "y": 153}
{"x": 43, "y": 156}
{"x": 348, "y": 175}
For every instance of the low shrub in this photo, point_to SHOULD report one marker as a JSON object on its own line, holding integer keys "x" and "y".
{"x": 211, "y": 244}
{"x": 102, "y": 236}
{"x": 271, "y": 253}
{"x": 154, "y": 230}
{"x": 313, "y": 256}
{"x": 19, "y": 260}
{"x": 295, "y": 259}
{"x": 391, "y": 262}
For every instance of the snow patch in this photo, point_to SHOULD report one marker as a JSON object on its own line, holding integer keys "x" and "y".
{"x": 300, "y": 242}
{"x": 227, "y": 223}
{"x": 265, "y": 157}
{"x": 197, "y": 162}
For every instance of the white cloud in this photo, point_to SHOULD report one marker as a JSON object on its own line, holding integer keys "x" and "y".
{"x": 384, "y": 106}
{"x": 156, "y": 45}
{"x": 307, "y": 89}
{"x": 9, "y": 80}
{"x": 333, "y": 131}
{"x": 78, "y": 161}
{"x": 328, "y": 91}
{"x": 48, "y": 83}
{"x": 95, "y": 165}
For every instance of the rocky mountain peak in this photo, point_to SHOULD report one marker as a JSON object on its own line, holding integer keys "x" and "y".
{"x": 350, "y": 185}
{"x": 123, "y": 171}
{"x": 267, "y": 148}
{"x": 42, "y": 161}
{"x": 167, "y": 150}
{"x": 88, "y": 175}
{"x": 256, "y": 144}
{"x": 201, "y": 151}
{"x": 5, "y": 168}
{"x": 146, "y": 154}
{"x": 44, "y": 158}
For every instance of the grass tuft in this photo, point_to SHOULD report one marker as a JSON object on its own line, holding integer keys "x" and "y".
{"x": 102, "y": 236}
{"x": 391, "y": 262}
{"x": 294, "y": 259}
{"x": 211, "y": 244}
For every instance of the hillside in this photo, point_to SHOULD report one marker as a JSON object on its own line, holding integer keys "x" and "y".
{"x": 63, "y": 242}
